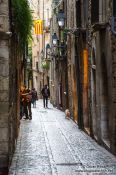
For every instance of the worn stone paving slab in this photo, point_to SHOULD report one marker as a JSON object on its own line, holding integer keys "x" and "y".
{"x": 60, "y": 151}
{"x": 30, "y": 161}
{"x": 70, "y": 170}
{"x": 42, "y": 170}
{"x": 53, "y": 145}
{"x": 93, "y": 157}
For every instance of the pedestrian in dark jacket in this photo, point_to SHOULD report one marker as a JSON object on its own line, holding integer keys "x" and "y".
{"x": 34, "y": 97}
{"x": 46, "y": 94}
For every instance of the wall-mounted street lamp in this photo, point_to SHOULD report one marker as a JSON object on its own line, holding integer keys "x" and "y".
{"x": 28, "y": 60}
{"x": 61, "y": 18}
{"x": 61, "y": 46}
{"x": 42, "y": 54}
{"x": 48, "y": 48}
{"x": 54, "y": 39}
{"x": 63, "y": 49}
{"x": 44, "y": 61}
{"x": 48, "y": 51}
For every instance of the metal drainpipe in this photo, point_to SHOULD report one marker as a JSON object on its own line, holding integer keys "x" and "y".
{"x": 67, "y": 94}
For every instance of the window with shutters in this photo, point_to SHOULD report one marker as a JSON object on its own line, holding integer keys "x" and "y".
{"x": 94, "y": 11}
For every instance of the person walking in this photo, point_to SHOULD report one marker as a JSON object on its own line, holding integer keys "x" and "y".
{"x": 46, "y": 94}
{"x": 34, "y": 97}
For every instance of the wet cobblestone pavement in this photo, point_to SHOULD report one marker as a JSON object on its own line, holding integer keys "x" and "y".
{"x": 53, "y": 145}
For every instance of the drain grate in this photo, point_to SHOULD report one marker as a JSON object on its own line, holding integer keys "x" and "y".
{"x": 68, "y": 164}
{"x": 43, "y": 111}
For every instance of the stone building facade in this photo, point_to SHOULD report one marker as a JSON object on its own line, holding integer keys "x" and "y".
{"x": 72, "y": 81}
{"x": 75, "y": 68}
{"x": 42, "y": 11}
{"x": 9, "y": 88}
{"x": 97, "y": 70}
{"x": 91, "y": 70}
{"x": 59, "y": 74}
{"x": 91, "y": 67}
{"x": 102, "y": 80}
{"x": 77, "y": 55}
{"x": 35, "y": 5}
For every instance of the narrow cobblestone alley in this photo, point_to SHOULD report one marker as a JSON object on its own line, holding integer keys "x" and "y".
{"x": 53, "y": 145}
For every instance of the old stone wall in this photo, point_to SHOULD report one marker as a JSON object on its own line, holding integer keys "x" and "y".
{"x": 72, "y": 78}
{"x": 102, "y": 51}
{"x": 9, "y": 89}
{"x": 113, "y": 123}
{"x": 4, "y": 84}
{"x": 4, "y": 102}
{"x": 96, "y": 104}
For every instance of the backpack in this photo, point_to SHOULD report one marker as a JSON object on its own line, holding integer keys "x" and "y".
{"x": 46, "y": 92}
{"x": 34, "y": 95}
{"x": 29, "y": 97}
